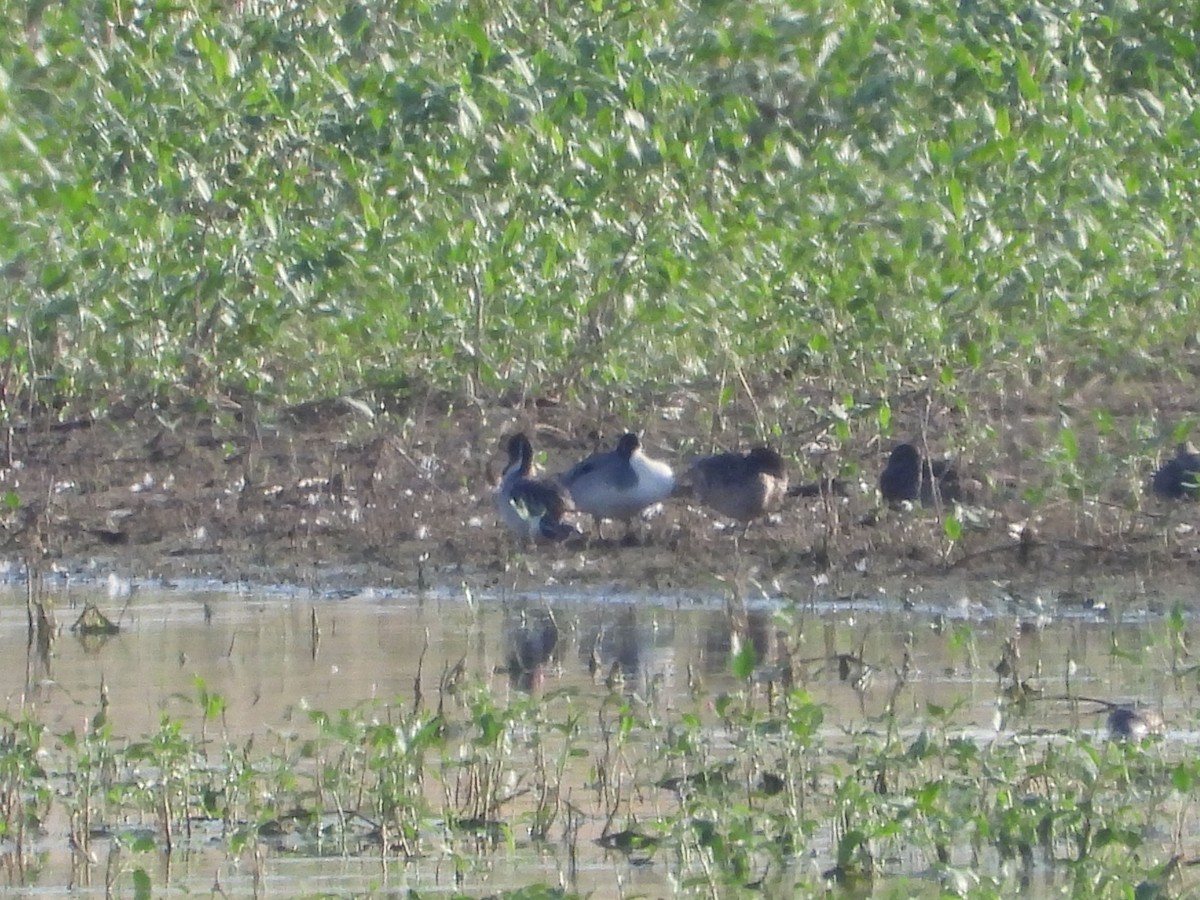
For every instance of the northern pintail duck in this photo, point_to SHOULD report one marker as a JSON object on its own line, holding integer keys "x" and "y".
{"x": 1133, "y": 724}
{"x": 909, "y": 477}
{"x": 742, "y": 486}
{"x": 620, "y": 483}
{"x": 1179, "y": 478}
{"x": 533, "y": 508}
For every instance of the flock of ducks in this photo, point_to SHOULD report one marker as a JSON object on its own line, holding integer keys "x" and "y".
{"x": 621, "y": 483}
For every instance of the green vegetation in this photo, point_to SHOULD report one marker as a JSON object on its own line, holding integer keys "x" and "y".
{"x": 872, "y": 203}
{"x": 298, "y": 199}
{"x": 720, "y": 790}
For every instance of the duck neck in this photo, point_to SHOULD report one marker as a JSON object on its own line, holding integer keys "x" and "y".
{"x": 520, "y": 463}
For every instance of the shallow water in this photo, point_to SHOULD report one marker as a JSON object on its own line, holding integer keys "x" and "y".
{"x": 275, "y": 654}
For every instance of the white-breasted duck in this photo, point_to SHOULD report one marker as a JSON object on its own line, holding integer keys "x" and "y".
{"x": 532, "y": 507}
{"x": 620, "y": 483}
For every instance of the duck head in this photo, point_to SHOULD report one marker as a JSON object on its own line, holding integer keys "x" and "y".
{"x": 766, "y": 461}
{"x": 520, "y": 455}
{"x": 905, "y": 458}
{"x": 628, "y": 444}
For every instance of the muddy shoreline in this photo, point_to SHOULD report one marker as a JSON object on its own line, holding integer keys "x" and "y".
{"x": 328, "y": 497}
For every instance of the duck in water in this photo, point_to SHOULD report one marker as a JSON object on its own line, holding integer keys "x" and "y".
{"x": 1133, "y": 724}
{"x": 619, "y": 484}
{"x": 532, "y": 507}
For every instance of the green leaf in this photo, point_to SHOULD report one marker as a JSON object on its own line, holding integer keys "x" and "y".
{"x": 955, "y": 191}
{"x": 1070, "y": 444}
{"x": 142, "y": 887}
{"x": 848, "y": 845}
{"x": 478, "y": 37}
{"x": 1183, "y": 778}
{"x": 743, "y": 661}
{"x": 953, "y": 528}
{"x": 1029, "y": 87}
{"x": 1176, "y": 620}
{"x": 1003, "y": 125}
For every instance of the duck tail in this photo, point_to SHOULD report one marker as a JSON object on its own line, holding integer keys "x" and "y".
{"x": 558, "y": 531}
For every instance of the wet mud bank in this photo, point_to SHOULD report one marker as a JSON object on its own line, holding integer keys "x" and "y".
{"x": 326, "y": 499}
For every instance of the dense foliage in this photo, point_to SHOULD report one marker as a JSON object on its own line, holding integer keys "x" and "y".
{"x": 294, "y": 198}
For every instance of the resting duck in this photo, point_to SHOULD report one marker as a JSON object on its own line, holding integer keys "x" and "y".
{"x": 908, "y": 477}
{"x": 1132, "y": 724}
{"x": 620, "y": 483}
{"x": 742, "y": 486}
{"x": 1179, "y": 478}
{"x": 531, "y": 507}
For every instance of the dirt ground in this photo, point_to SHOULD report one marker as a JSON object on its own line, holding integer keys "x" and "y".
{"x": 329, "y": 496}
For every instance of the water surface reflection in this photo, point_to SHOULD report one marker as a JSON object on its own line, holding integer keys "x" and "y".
{"x": 275, "y": 656}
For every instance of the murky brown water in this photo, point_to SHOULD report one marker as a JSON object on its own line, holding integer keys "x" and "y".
{"x": 257, "y": 649}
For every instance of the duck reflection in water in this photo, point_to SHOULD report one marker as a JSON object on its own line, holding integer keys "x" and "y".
{"x": 634, "y": 650}
{"x": 532, "y": 642}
